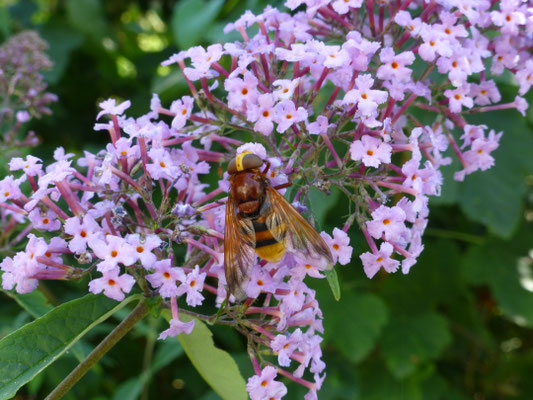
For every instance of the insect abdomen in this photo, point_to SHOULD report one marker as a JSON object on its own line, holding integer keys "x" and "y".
{"x": 266, "y": 246}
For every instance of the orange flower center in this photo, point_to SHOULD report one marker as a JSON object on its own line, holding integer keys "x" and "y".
{"x": 111, "y": 282}
{"x": 336, "y": 247}
{"x": 139, "y": 249}
{"x": 166, "y": 275}
{"x": 244, "y": 91}
{"x": 46, "y": 220}
{"x": 114, "y": 253}
{"x": 370, "y": 152}
{"x": 83, "y": 234}
{"x": 386, "y": 221}
{"x": 394, "y": 65}
{"x": 266, "y": 113}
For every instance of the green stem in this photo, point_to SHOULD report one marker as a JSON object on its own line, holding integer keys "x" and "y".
{"x": 138, "y": 313}
{"x": 447, "y": 234}
{"x": 148, "y": 356}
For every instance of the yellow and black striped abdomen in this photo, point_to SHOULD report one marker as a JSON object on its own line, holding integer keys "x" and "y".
{"x": 266, "y": 246}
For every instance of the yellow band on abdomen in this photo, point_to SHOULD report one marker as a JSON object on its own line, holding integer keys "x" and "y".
{"x": 239, "y": 159}
{"x": 272, "y": 252}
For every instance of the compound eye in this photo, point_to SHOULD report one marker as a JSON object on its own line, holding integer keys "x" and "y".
{"x": 251, "y": 161}
{"x": 244, "y": 161}
{"x": 232, "y": 167}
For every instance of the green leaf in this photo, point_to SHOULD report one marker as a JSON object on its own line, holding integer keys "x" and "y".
{"x": 21, "y": 11}
{"x": 37, "y": 305}
{"x": 216, "y": 366}
{"x": 495, "y": 197}
{"x": 320, "y": 203}
{"x": 333, "y": 280}
{"x": 504, "y": 267}
{"x": 88, "y": 17}
{"x": 30, "y": 349}
{"x": 191, "y": 19}
{"x": 169, "y": 86}
{"x": 62, "y": 40}
{"x": 4, "y": 22}
{"x": 450, "y": 187}
{"x": 436, "y": 278}
{"x": 355, "y": 331}
{"x": 129, "y": 390}
{"x": 215, "y": 33}
{"x": 376, "y": 383}
{"x": 411, "y": 340}
{"x": 167, "y": 351}
{"x": 34, "y": 303}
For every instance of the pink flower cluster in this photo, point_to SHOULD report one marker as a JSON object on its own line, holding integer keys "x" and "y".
{"x": 326, "y": 95}
{"x": 22, "y": 90}
{"x": 105, "y": 222}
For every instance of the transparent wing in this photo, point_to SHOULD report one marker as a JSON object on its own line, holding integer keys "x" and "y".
{"x": 239, "y": 254}
{"x": 286, "y": 224}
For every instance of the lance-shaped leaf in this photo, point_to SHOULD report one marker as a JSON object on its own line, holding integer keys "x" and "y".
{"x": 191, "y": 20}
{"x": 333, "y": 281}
{"x": 30, "y": 349}
{"x": 34, "y": 303}
{"x": 216, "y": 366}
{"x": 412, "y": 340}
{"x": 355, "y": 331}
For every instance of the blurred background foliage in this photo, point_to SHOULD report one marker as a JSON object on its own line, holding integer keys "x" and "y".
{"x": 459, "y": 326}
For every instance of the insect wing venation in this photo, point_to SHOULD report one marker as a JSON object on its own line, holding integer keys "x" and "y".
{"x": 239, "y": 255}
{"x": 285, "y": 223}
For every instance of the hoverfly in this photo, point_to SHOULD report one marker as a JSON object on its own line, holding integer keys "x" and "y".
{"x": 260, "y": 220}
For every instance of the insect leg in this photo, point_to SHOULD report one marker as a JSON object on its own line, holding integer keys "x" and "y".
{"x": 266, "y": 168}
{"x": 283, "y": 185}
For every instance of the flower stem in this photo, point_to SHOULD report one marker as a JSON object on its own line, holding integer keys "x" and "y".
{"x": 138, "y": 313}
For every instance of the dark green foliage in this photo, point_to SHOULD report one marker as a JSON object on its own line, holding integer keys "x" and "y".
{"x": 27, "y": 351}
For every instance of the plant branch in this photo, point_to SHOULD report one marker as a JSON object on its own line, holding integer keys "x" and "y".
{"x": 138, "y": 313}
